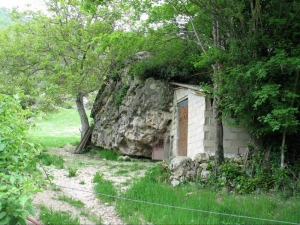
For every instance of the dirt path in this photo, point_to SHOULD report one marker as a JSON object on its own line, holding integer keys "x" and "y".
{"x": 122, "y": 174}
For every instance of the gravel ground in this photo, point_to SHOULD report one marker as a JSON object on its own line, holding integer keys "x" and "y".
{"x": 87, "y": 168}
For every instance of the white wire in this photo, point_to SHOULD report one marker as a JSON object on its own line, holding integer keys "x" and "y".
{"x": 179, "y": 207}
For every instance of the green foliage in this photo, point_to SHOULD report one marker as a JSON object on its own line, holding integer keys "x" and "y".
{"x": 103, "y": 188}
{"x": 72, "y": 171}
{"x": 18, "y": 173}
{"x": 76, "y": 203}
{"x": 152, "y": 189}
{"x": 50, "y": 217}
{"x": 108, "y": 154}
{"x": 50, "y": 159}
{"x": 170, "y": 59}
{"x": 120, "y": 94}
{"x": 255, "y": 177}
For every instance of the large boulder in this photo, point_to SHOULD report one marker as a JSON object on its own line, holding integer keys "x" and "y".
{"x": 130, "y": 119}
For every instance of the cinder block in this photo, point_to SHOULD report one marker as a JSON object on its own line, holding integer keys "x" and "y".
{"x": 227, "y": 143}
{"x": 243, "y": 149}
{"x": 209, "y": 143}
{"x": 244, "y": 136}
{"x": 230, "y": 136}
{"x": 231, "y": 150}
{"x": 238, "y": 143}
{"x": 208, "y": 113}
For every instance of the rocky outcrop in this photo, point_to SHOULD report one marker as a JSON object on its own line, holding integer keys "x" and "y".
{"x": 129, "y": 117}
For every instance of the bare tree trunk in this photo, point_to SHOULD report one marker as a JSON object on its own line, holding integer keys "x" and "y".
{"x": 283, "y": 147}
{"x": 82, "y": 114}
{"x": 217, "y": 113}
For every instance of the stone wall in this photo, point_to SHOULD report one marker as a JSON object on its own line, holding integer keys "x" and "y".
{"x": 133, "y": 126}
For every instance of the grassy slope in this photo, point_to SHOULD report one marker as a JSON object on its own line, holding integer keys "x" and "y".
{"x": 190, "y": 196}
{"x": 57, "y": 129}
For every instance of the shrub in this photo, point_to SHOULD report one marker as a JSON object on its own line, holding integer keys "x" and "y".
{"x": 18, "y": 173}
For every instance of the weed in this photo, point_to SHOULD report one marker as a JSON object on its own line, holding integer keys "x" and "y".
{"x": 50, "y": 217}
{"x": 72, "y": 171}
{"x": 76, "y": 203}
{"x": 104, "y": 187}
{"x": 82, "y": 182}
{"x": 49, "y": 159}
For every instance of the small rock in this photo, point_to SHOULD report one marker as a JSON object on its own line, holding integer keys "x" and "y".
{"x": 175, "y": 182}
{"x": 201, "y": 157}
{"x": 203, "y": 166}
{"x": 205, "y": 174}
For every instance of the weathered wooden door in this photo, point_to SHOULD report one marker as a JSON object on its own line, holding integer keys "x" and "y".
{"x": 183, "y": 127}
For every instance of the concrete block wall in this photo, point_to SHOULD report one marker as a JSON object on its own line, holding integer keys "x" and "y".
{"x": 235, "y": 138}
{"x": 201, "y": 131}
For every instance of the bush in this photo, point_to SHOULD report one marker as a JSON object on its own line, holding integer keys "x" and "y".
{"x": 18, "y": 173}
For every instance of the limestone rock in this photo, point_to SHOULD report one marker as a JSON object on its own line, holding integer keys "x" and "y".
{"x": 205, "y": 174}
{"x": 175, "y": 182}
{"x": 201, "y": 158}
{"x": 132, "y": 127}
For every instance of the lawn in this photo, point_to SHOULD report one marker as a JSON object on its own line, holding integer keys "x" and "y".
{"x": 57, "y": 129}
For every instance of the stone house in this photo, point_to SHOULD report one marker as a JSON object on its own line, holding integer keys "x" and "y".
{"x": 192, "y": 129}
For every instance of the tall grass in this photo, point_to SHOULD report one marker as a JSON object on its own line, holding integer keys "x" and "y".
{"x": 50, "y": 217}
{"x": 57, "y": 129}
{"x": 106, "y": 154}
{"x": 48, "y": 159}
{"x": 103, "y": 186}
{"x": 151, "y": 189}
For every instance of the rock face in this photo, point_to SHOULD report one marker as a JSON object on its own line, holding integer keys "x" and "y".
{"x": 128, "y": 118}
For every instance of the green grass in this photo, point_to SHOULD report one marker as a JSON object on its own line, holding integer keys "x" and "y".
{"x": 105, "y": 187}
{"x": 106, "y": 154}
{"x": 97, "y": 220}
{"x": 72, "y": 171}
{"x": 49, "y": 159}
{"x": 151, "y": 189}
{"x": 57, "y": 129}
{"x": 76, "y": 203}
{"x": 50, "y": 217}
{"x": 122, "y": 172}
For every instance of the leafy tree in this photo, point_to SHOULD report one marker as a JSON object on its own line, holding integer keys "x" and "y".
{"x": 18, "y": 174}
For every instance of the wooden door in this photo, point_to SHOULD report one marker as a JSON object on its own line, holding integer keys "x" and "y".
{"x": 183, "y": 127}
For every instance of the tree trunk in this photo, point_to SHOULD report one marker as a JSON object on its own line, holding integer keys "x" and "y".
{"x": 283, "y": 147}
{"x": 217, "y": 114}
{"x": 82, "y": 114}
